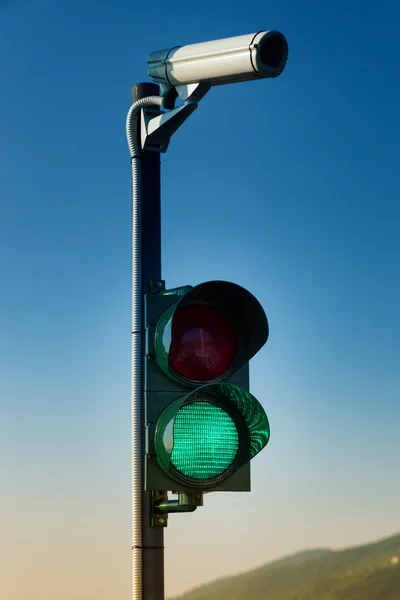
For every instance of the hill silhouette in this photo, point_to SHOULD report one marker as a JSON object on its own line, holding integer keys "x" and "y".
{"x": 368, "y": 572}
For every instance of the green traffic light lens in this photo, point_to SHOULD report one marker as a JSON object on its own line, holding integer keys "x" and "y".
{"x": 202, "y": 438}
{"x": 205, "y": 441}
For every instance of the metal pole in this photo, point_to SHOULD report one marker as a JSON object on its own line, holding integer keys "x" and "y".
{"x": 149, "y": 555}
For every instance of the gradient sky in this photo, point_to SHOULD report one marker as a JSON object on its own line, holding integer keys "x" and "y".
{"x": 287, "y": 187}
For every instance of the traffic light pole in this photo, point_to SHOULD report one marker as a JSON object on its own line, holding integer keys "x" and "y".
{"x": 147, "y": 541}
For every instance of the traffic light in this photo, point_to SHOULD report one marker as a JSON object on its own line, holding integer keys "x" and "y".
{"x": 203, "y": 426}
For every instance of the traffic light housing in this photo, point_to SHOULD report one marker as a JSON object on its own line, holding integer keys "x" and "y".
{"x": 203, "y": 426}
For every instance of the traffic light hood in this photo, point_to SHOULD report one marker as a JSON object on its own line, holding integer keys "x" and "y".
{"x": 203, "y": 437}
{"x": 210, "y": 332}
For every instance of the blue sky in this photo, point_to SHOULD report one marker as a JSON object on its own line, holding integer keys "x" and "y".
{"x": 288, "y": 187}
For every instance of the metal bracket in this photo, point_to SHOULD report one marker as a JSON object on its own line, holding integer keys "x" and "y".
{"x": 193, "y": 92}
{"x": 155, "y": 286}
{"x": 158, "y": 128}
{"x": 161, "y": 506}
{"x": 188, "y": 91}
{"x": 158, "y": 519}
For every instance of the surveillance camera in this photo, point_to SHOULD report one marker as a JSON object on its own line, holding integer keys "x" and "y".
{"x": 242, "y": 58}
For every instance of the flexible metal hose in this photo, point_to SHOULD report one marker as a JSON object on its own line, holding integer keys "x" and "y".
{"x": 137, "y": 345}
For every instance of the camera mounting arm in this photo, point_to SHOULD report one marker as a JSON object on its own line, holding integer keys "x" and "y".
{"x": 158, "y": 128}
{"x": 190, "y": 91}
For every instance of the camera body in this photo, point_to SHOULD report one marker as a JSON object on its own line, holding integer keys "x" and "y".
{"x": 231, "y": 60}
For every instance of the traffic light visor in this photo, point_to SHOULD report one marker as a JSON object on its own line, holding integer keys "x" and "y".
{"x": 203, "y": 437}
{"x": 210, "y": 332}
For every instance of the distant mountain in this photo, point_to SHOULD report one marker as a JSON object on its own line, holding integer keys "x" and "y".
{"x": 299, "y": 557}
{"x": 368, "y": 572}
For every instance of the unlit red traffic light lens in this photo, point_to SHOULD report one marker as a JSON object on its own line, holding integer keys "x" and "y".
{"x": 204, "y": 343}
{"x": 205, "y": 441}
